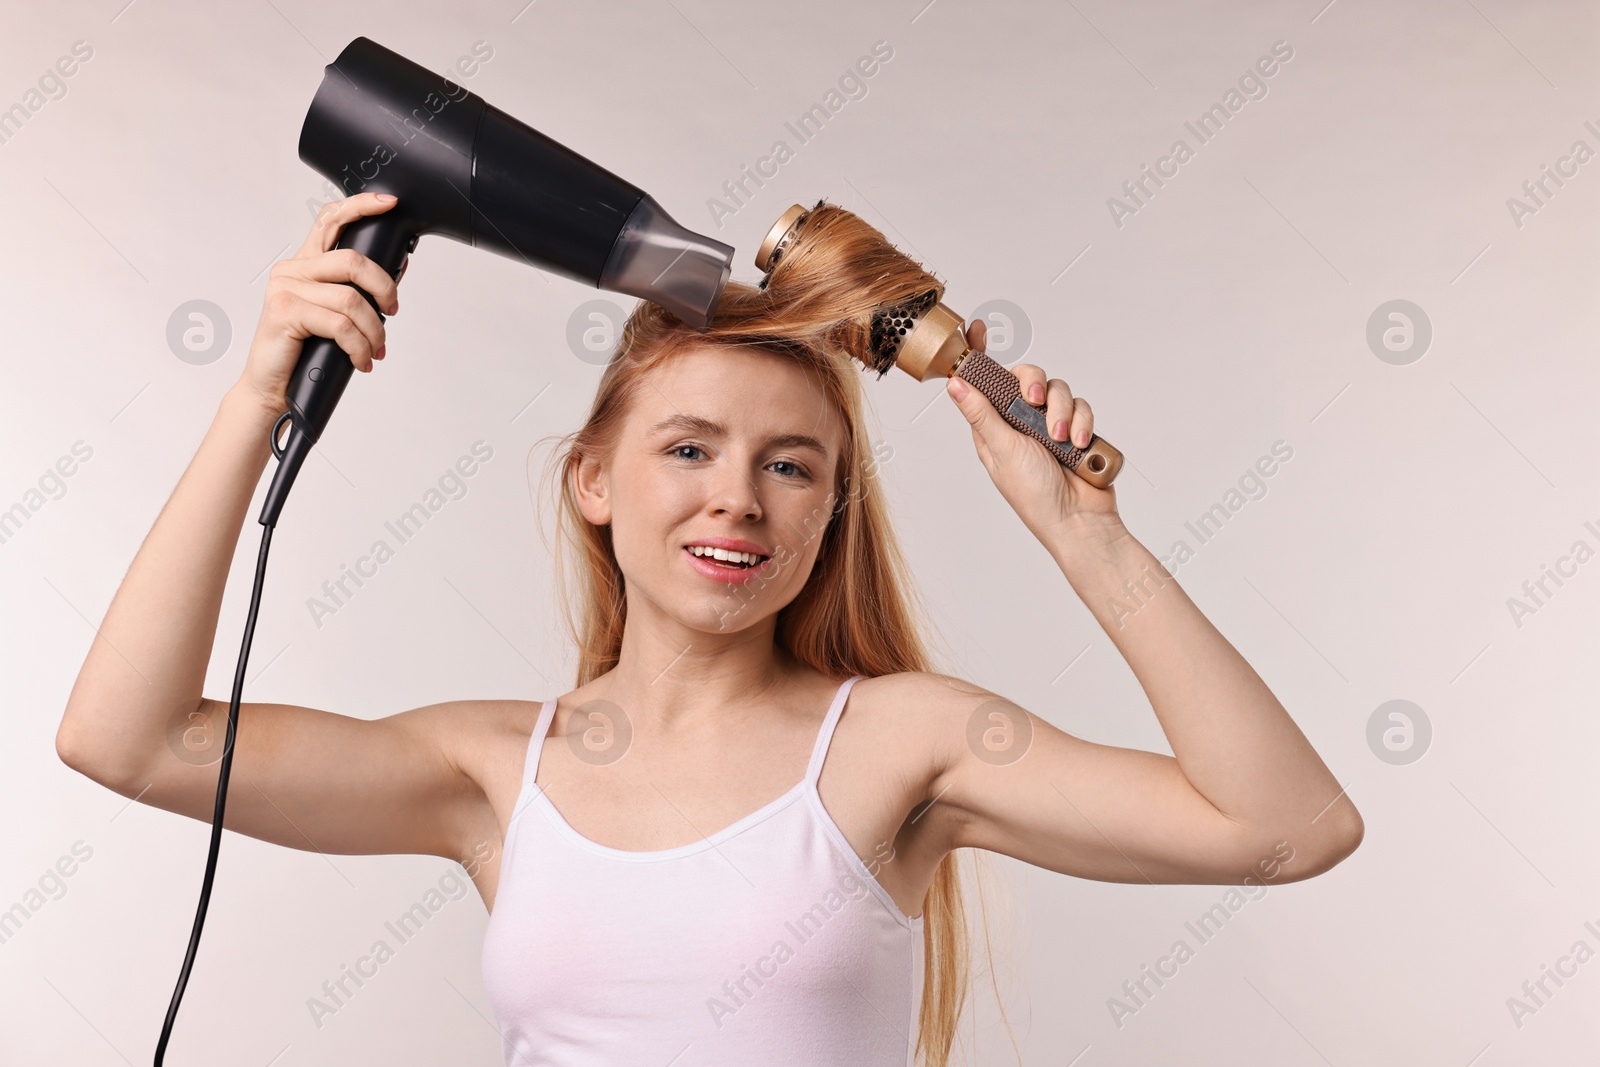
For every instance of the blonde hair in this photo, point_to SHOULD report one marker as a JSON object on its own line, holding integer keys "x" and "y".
{"x": 855, "y": 614}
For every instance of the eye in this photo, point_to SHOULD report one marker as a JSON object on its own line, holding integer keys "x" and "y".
{"x": 796, "y": 471}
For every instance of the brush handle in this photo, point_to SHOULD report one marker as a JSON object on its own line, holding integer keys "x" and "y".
{"x": 1097, "y": 464}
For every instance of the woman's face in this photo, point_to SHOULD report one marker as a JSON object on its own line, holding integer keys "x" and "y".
{"x": 720, "y": 443}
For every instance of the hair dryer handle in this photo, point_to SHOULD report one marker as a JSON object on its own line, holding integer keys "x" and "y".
{"x": 324, "y": 368}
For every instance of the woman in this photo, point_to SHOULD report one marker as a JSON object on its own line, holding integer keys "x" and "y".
{"x": 697, "y": 856}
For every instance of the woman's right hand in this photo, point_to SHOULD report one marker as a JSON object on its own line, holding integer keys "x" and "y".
{"x": 305, "y": 299}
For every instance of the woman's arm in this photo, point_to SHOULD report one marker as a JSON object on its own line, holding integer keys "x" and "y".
{"x": 136, "y": 720}
{"x": 1242, "y": 776}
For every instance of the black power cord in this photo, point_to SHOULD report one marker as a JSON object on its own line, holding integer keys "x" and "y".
{"x": 222, "y": 775}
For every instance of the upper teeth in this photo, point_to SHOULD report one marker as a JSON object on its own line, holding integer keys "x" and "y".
{"x": 724, "y": 554}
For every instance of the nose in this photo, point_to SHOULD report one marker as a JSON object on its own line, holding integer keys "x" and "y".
{"x": 734, "y": 492}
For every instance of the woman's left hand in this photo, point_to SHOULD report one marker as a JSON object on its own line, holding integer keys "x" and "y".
{"x": 1050, "y": 499}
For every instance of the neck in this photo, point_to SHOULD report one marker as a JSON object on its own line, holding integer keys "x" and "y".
{"x": 676, "y": 677}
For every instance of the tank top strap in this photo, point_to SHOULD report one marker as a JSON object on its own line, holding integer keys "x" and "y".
{"x": 530, "y": 767}
{"x": 825, "y": 735}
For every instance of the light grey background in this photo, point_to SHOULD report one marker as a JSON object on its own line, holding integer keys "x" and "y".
{"x": 1230, "y": 312}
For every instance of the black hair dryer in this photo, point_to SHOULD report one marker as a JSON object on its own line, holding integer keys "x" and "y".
{"x": 467, "y": 170}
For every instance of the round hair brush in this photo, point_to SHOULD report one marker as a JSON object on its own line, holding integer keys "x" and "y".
{"x": 925, "y": 338}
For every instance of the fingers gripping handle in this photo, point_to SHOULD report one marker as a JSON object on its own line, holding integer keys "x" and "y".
{"x": 1097, "y": 464}
{"x": 324, "y": 368}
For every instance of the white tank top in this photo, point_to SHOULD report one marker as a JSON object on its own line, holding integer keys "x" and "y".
{"x": 769, "y": 942}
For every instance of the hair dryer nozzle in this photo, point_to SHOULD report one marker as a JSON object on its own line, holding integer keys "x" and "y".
{"x": 658, "y": 260}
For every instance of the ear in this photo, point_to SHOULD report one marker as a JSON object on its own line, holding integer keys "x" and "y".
{"x": 589, "y": 485}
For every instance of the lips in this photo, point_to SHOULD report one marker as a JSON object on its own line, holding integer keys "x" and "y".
{"x": 730, "y": 544}
{"x": 722, "y": 572}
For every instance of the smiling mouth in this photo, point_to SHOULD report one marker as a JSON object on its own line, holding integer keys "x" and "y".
{"x": 727, "y": 564}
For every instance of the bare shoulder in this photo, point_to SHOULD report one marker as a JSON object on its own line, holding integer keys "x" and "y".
{"x": 485, "y": 742}
{"x": 470, "y": 728}
{"x": 885, "y": 774}
{"x": 488, "y": 737}
{"x": 910, "y": 726}
{"x": 915, "y": 710}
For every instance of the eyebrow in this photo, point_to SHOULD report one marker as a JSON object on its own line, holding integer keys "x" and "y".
{"x": 701, "y": 425}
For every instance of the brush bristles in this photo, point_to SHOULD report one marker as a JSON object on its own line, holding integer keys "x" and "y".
{"x": 891, "y": 326}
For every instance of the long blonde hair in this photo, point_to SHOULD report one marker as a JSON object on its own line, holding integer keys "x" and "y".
{"x": 855, "y": 614}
